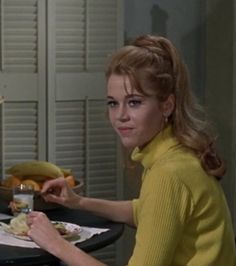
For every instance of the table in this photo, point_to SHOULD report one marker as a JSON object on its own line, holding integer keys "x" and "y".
{"x": 13, "y": 256}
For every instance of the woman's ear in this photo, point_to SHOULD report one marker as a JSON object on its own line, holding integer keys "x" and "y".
{"x": 168, "y": 105}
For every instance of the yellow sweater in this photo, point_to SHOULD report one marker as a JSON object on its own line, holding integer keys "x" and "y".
{"x": 181, "y": 215}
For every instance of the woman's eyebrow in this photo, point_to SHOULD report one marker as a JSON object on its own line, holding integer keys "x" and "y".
{"x": 134, "y": 95}
{"x": 128, "y": 96}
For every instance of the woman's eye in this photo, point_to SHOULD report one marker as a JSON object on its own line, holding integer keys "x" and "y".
{"x": 134, "y": 103}
{"x": 111, "y": 103}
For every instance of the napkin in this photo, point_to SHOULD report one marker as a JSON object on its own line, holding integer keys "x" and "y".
{"x": 86, "y": 233}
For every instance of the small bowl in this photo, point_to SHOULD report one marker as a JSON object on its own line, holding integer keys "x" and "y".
{"x": 39, "y": 203}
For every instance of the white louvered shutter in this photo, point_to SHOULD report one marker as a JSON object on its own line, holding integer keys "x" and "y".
{"x": 22, "y": 81}
{"x": 82, "y": 34}
{"x": 101, "y": 154}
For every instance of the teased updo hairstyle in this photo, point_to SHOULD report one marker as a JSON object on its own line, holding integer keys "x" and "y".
{"x": 154, "y": 66}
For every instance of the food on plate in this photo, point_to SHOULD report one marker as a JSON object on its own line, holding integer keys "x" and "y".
{"x": 61, "y": 228}
{"x": 67, "y": 230}
{"x": 19, "y": 228}
{"x": 18, "y": 225}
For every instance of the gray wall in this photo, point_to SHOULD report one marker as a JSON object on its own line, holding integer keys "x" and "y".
{"x": 220, "y": 86}
{"x": 182, "y": 21}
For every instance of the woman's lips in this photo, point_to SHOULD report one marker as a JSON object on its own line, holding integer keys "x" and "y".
{"x": 124, "y": 131}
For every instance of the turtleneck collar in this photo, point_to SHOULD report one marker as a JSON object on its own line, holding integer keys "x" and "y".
{"x": 156, "y": 148}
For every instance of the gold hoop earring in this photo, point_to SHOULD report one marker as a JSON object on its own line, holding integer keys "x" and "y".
{"x": 166, "y": 119}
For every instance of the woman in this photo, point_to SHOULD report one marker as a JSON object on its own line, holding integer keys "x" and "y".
{"x": 181, "y": 215}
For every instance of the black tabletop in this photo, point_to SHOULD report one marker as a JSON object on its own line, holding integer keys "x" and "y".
{"x": 10, "y": 255}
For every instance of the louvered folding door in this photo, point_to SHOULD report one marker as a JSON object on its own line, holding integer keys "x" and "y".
{"x": 22, "y": 81}
{"x": 53, "y": 54}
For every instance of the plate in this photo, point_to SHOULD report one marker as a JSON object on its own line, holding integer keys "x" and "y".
{"x": 72, "y": 231}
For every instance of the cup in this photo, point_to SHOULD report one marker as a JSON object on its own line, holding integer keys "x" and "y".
{"x": 23, "y": 199}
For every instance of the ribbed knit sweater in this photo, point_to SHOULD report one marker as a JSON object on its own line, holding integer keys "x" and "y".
{"x": 181, "y": 215}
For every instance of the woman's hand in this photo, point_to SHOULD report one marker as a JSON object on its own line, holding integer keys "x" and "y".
{"x": 43, "y": 232}
{"x": 58, "y": 191}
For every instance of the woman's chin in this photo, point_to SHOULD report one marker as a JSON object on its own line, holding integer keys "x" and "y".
{"x": 129, "y": 144}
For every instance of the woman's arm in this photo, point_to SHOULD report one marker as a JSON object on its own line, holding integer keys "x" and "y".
{"x": 57, "y": 191}
{"x": 73, "y": 256}
{"x": 48, "y": 238}
{"x": 119, "y": 211}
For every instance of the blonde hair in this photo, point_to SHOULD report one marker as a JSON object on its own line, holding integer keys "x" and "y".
{"x": 154, "y": 66}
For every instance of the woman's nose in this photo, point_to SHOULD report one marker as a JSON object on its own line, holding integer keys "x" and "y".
{"x": 122, "y": 114}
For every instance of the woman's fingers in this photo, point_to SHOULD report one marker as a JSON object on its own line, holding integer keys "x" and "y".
{"x": 53, "y": 198}
{"x": 53, "y": 185}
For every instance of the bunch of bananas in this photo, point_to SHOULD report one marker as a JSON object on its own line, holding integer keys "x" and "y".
{"x": 35, "y": 173}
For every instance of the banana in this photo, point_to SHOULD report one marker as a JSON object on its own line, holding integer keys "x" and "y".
{"x": 66, "y": 172}
{"x": 37, "y": 178}
{"x": 35, "y": 168}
